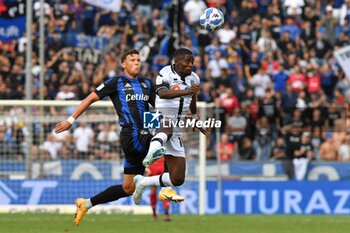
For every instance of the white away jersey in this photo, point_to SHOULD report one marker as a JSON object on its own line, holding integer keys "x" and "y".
{"x": 168, "y": 78}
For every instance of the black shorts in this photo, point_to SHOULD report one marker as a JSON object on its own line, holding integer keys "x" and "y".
{"x": 135, "y": 145}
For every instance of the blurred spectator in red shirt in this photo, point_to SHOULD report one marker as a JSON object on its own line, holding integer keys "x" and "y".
{"x": 314, "y": 81}
{"x": 226, "y": 148}
{"x": 297, "y": 80}
{"x": 230, "y": 102}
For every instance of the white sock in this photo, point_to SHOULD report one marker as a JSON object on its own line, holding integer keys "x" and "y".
{"x": 88, "y": 203}
{"x": 150, "y": 181}
{"x": 165, "y": 188}
{"x": 156, "y": 143}
{"x": 166, "y": 180}
{"x": 154, "y": 180}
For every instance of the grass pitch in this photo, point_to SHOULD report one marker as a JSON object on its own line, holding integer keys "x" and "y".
{"x": 51, "y": 223}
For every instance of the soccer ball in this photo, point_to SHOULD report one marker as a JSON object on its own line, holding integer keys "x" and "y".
{"x": 212, "y": 19}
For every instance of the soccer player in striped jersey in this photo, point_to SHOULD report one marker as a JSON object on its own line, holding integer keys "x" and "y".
{"x": 131, "y": 96}
{"x": 174, "y": 86}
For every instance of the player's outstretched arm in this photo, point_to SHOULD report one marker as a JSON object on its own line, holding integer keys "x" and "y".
{"x": 165, "y": 93}
{"x": 66, "y": 124}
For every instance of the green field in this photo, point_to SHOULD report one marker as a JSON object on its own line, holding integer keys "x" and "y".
{"x": 47, "y": 223}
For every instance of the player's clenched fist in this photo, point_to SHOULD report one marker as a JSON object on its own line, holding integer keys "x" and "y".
{"x": 194, "y": 89}
{"x": 62, "y": 126}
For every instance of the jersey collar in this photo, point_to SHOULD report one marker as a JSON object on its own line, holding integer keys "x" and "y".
{"x": 131, "y": 79}
{"x": 173, "y": 70}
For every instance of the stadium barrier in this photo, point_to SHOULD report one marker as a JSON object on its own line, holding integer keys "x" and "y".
{"x": 238, "y": 197}
{"x": 70, "y": 209}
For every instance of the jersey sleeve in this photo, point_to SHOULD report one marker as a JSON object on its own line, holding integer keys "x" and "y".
{"x": 109, "y": 87}
{"x": 152, "y": 94}
{"x": 196, "y": 78}
{"x": 161, "y": 82}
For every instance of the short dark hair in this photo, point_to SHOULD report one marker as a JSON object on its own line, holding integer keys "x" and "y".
{"x": 182, "y": 52}
{"x": 129, "y": 52}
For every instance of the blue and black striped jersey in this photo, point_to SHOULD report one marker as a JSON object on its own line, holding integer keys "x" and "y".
{"x": 130, "y": 98}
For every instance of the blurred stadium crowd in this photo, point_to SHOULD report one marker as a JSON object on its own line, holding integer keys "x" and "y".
{"x": 270, "y": 69}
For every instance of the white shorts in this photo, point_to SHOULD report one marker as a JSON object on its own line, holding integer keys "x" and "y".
{"x": 175, "y": 147}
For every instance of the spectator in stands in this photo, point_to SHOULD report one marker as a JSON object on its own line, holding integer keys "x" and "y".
{"x": 5, "y": 149}
{"x": 49, "y": 147}
{"x": 291, "y": 27}
{"x": 328, "y": 80}
{"x": 65, "y": 93}
{"x": 261, "y": 81}
{"x": 278, "y": 151}
{"x": 268, "y": 109}
{"x": 280, "y": 79}
{"x": 252, "y": 67}
{"x": 307, "y": 34}
{"x": 297, "y": 79}
{"x": 216, "y": 69}
{"x": 106, "y": 142}
{"x": 292, "y": 134}
{"x": 54, "y": 143}
{"x": 270, "y": 63}
{"x": 330, "y": 23}
{"x": 229, "y": 101}
{"x": 302, "y": 156}
{"x": 263, "y": 139}
{"x": 266, "y": 43}
{"x": 327, "y": 150}
{"x": 226, "y": 34}
{"x": 193, "y": 10}
{"x": 83, "y": 137}
{"x": 19, "y": 139}
{"x": 344, "y": 149}
{"x": 322, "y": 48}
{"x": 236, "y": 126}
{"x": 207, "y": 93}
{"x": 316, "y": 141}
{"x": 294, "y": 7}
{"x": 227, "y": 149}
{"x": 246, "y": 150}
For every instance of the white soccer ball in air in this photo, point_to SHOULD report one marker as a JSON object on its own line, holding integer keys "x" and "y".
{"x": 212, "y": 19}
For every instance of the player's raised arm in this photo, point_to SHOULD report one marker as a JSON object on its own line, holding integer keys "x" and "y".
{"x": 165, "y": 93}
{"x": 105, "y": 89}
{"x": 162, "y": 88}
{"x": 66, "y": 124}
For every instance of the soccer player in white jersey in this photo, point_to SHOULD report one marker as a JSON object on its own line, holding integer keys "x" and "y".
{"x": 176, "y": 89}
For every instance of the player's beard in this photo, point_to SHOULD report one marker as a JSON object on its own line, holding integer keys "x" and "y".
{"x": 187, "y": 71}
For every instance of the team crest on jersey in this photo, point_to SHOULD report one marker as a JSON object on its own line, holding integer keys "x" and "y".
{"x": 144, "y": 85}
